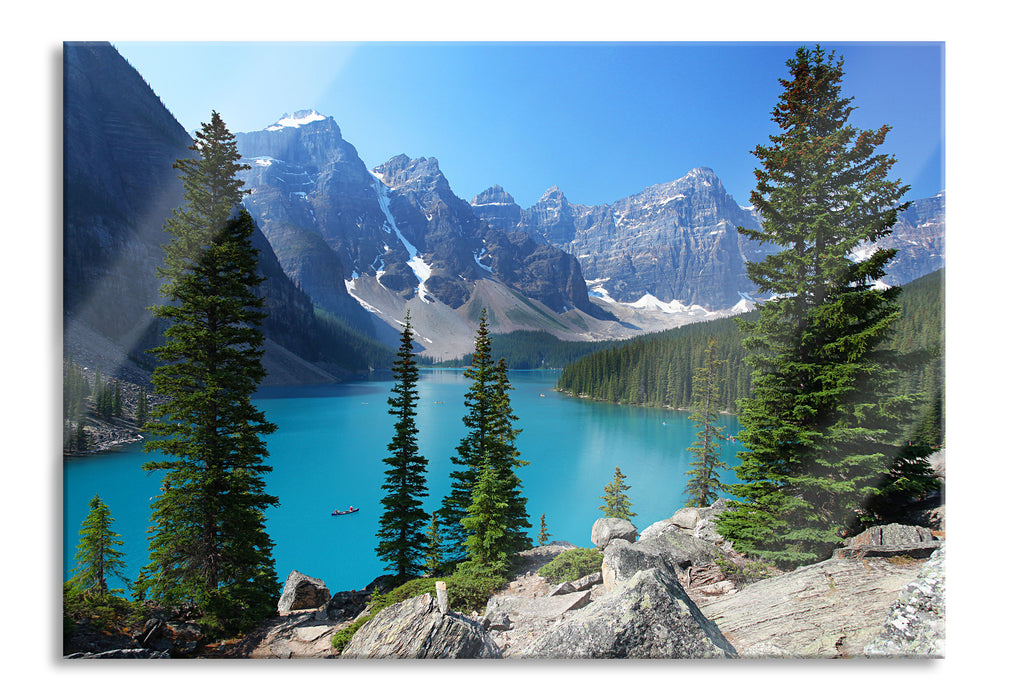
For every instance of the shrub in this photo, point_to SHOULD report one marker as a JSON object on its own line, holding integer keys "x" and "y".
{"x": 572, "y": 564}
{"x": 746, "y": 570}
{"x": 105, "y": 611}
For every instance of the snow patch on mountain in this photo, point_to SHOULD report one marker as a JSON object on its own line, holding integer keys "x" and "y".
{"x": 295, "y": 120}
{"x": 416, "y": 263}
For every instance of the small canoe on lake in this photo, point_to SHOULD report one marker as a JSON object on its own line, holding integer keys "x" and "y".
{"x": 352, "y": 509}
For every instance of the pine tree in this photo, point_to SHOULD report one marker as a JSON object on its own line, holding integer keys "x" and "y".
{"x": 817, "y": 431}
{"x": 704, "y": 484}
{"x": 209, "y": 546}
{"x": 117, "y": 400}
{"x": 142, "y": 408}
{"x": 504, "y": 456}
{"x": 616, "y": 503}
{"x": 433, "y": 561}
{"x": 472, "y": 448}
{"x": 99, "y": 557}
{"x": 544, "y": 536}
{"x": 401, "y": 541}
{"x": 490, "y": 440}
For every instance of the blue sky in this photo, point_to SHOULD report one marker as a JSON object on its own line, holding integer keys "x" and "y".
{"x": 600, "y": 120}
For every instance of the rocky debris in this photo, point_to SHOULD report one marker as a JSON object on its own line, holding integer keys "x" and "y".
{"x": 890, "y": 540}
{"x": 302, "y": 592}
{"x": 916, "y": 622}
{"x": 532, "y": 560}
{"x": 679, "y": 546}
{"x": 698, "y": 522}
{"x": 582, "y": 584}
{"x": 121, "y": 654}
{"x": 297, "y": 635}
{"x": 416, "y": 629}
{"x": 830, "y": 609}
{"x": 605, "y": 530}
{"x": 645, "y": 616}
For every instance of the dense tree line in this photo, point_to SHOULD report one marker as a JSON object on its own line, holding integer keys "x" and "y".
{"x": 658, "y": 369}
{"x": 536, "y": 350}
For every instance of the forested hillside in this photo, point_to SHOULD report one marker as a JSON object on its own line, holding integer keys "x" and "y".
{"x": 657, "y": 369}
{"x": 536, "y": 350}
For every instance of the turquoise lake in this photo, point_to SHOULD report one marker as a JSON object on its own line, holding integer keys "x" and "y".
{"x": 327, "y": 454}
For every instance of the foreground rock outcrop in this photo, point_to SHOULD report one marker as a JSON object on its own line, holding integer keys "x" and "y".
{"x": 825, "y": 610}
{"x": 916, "y": 622}
{"x": 418, "y": 629}
{"x": 644, "y": 613}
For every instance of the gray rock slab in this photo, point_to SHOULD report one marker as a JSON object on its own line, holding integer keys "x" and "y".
{"x": 833, "y": 608}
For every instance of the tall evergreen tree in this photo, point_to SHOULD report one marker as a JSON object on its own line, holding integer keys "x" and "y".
{"x": 402, "y": 542}
{"x": 616, "y": 503}
{"x": 490, "y": 441}
{"x": 818, "y": 435}
{"x": 209, "y": 546}
{"x": 505, "y": 458}
{"x": 99, "y": 554}
{"x": 472, "y": 448}
{"x": 704, "y": 484}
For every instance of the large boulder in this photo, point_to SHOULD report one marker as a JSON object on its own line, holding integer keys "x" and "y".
{"x": 916, "y": 622}
{"x": 699, "y": 522}
{"x": 647, "y": 615}
{"x": 605, "y": 530}
{"x": 302, "y": 592}
{"x": 417, "y": 629}
{"x": 677, "y": 545}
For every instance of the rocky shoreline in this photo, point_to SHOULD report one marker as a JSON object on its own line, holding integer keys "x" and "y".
{"x": 676, "y": 590}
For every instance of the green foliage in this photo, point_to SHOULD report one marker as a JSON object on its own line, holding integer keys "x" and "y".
{"x": 105, "y": 611}
{"x": 821, "y": 425}
{"x": 334, "y": 340}
{"x": 99, "y": 555}
{"x": 433, "y": 561}
{"x": 616, "y": 504}
{"x": 486, "y": 521}
{"x": 657, "y": 369}
{"x": 143, "y": 410}
{"x": 536, "y": 350}
{"x": 76, "y": 390}
{"x": 572, "y": 564}
{"x": 401, "y": 541}
{"x": 746, "y": 571}
{"x": 703, "y": 484}
{"x": 209, "y": 546}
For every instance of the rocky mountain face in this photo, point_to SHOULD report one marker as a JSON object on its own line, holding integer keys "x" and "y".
{"x": 369, "y": 245}
{"x": 920, "y": 239}
{"x": 675, "y": 245}
{"x": 673, "y": 241}
{"x": 120, "y": 143}
{"x": 397, "y": 238}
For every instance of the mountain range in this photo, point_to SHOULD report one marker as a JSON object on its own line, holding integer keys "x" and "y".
{"x": 349, "y": 249}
